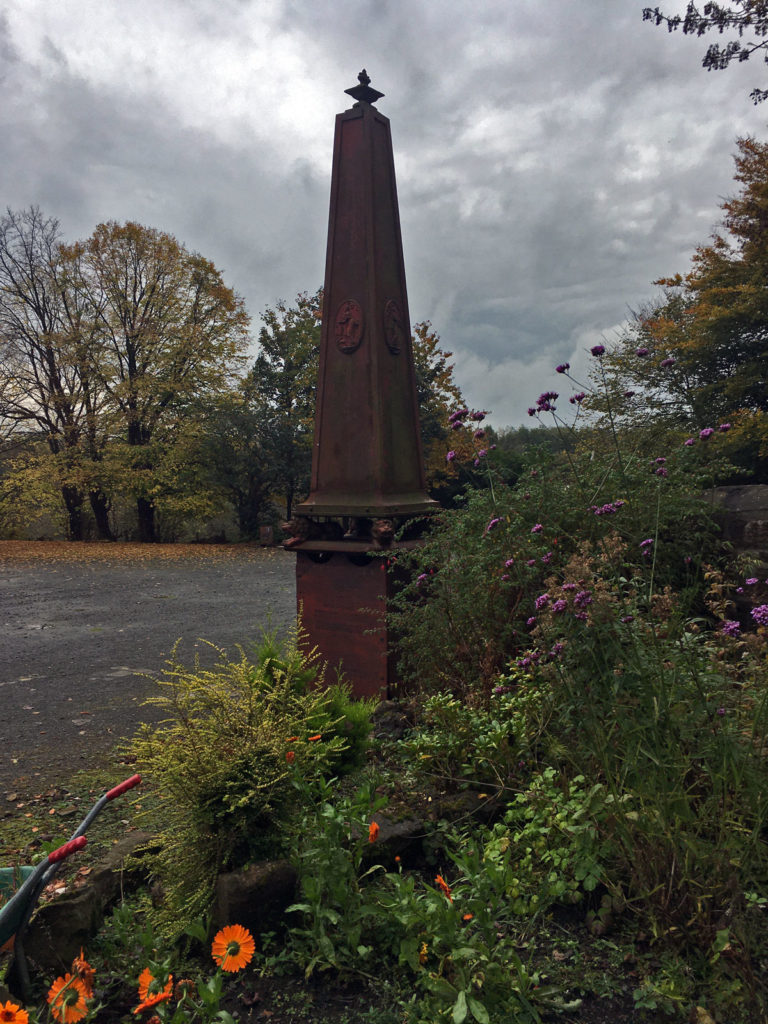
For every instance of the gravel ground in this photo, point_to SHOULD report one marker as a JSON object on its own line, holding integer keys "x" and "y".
{"x": 83, "y": 625}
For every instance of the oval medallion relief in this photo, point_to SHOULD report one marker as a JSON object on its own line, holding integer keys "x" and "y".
{"x": 348, "y": 326}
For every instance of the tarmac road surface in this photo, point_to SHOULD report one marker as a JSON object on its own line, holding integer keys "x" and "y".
{"x": 84, "y": 627}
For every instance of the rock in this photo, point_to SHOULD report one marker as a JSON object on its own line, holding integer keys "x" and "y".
{"x": 256, "y": 897}
{"x": 390, "y": 720}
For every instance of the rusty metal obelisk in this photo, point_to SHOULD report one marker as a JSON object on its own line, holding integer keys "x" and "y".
{"x": 367, "y": 466}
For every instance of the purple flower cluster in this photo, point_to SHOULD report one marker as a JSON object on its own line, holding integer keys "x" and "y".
{"x": 647, "y": 543}
{"x": 546, "y": 559}
{"x": 458, "y": 415}
{"x": 724, "y": 428}
{"x": 450, "y": 456}
{"x": 760, "y": 614}
{"x": 544, "y": 403}
{"x": 492, "y": 524}
{"x": 706, "y": 433}
{"x": 582, "y": 599}
{"x": 597, "y": 350}
{"x": 578, "y": 398}
{"x": 642, "y": 351}
{"x": 563, "y": 368}
{"x": 730, "y": 627}
{"x": 669, "y": 361}
{"x": 479, "y": 434}
{"x": 609, "y": 508}
{"x": 478, "y": 415}
{"x": 537, "y": 528}
{"x": 541, "y": 602}
{"x": 559, "y": 605}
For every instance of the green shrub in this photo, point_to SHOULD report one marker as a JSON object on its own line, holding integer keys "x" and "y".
{"x": 223, "y": 766}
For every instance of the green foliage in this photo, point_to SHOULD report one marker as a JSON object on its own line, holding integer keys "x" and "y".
{"x": 224, "y": 764}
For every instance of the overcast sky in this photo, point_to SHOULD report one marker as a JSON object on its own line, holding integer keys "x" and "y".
{"x": 552, "y": 159}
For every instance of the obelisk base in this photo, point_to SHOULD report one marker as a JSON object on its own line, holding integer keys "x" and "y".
{"x": 342, "y": 603}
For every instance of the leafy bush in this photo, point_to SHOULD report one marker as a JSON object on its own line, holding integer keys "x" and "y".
{"x": 224, "y": 763}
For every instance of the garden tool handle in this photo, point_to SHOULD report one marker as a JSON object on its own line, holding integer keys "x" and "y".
{"x": 123, "y": 787}
{"x": 68, "y": 848}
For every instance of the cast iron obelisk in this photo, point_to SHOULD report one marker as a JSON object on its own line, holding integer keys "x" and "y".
{"x": 367, "y": 467}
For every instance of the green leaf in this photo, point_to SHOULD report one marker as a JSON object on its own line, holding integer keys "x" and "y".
{"x": 304, "y": 908}
{"x": 478, "y": 1010}
{"x": 460, "y": 1009}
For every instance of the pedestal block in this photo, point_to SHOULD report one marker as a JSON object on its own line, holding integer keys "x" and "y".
{"x": 342, "y": 602}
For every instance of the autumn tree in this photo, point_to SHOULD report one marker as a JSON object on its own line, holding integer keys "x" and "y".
{"x": 169, "y": 333}
{"x": 744, "y": 18}
{"x": 701, "y": 354}
{"x": 47, "y": 388}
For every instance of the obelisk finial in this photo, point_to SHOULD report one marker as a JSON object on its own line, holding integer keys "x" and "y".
{"x": 363, "y": 92}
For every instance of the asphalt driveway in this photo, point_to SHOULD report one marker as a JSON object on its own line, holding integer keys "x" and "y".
{"x": 85, "y": 627}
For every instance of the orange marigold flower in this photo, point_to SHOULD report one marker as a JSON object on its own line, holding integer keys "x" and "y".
{"x": 373, "y": 832}
{"x": 292, "y": 739}
{"x": 290, "y": 756}
{"x": 151, "y": 985}
{"x": 184, "y": 986}
{"x": 83, "y": 970}
{"x": 151, "y": 1001}
{"x": 467, "y": 917}
{"x": 233, "y": 947}
{"x": 11, "y": 1013}
{"x": 444, "y": 887}
{"x": 397, "y": 860}
{"x": 66, "y": 998}
{"x": 311, "y": 739}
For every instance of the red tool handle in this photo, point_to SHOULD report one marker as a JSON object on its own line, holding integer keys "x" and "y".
{"x": 64, "y": 851}
{"x": 123, "y": 787}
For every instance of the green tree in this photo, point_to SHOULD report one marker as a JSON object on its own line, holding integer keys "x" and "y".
{"x": 281, "y": 389}
{"x": 748, "y": 17}
{"x": 170, "y": 334}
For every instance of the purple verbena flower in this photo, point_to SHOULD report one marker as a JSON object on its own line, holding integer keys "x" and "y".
{"x": 597, "y": 350}
{"x": 752, "y": 581}
{"x": 509, "y": 563}
{"x": 531, "y": 561}
{"x": 689, "y": 442}
{"x": 760, "y": 614}
{"x": 541, "y": 602}
{"x": 559, "y": 605}
{"x": 627, "y": 618}
{"x": 730, "y": 627}
{"x": 661, "y": 461}
{"x": 662, "y": 471}
{"x": 568, "y": 586}
{"x": 669, "y": 361}
{"x": 537, "y": 528}
{"x": 531, "y": 621}
{"x": 492, "y": 524}
{"x": 582, "y": 599}
{"x": 478, "y": 416}
{"x": 578, "y": 398}
{"x": 420, "y": 579}
{"x": 479, "y": 434}
{"x": 707, "y": 432}
{"x": 648, "y": 542}
{"x": 563, "y": 368}
{"x": 546, "y": 559}
{"x": 459, "y": 414}
{"x": 721, "y": 711}
{"x": 724, "y": 427}
{"x": 531, "y": 411}
{"x": 642, "y": 351}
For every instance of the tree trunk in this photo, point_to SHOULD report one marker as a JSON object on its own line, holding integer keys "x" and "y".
{"x": 146, "y": 513}
{"x": 73, "y": 501}
{"x": 100, "y": 507}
